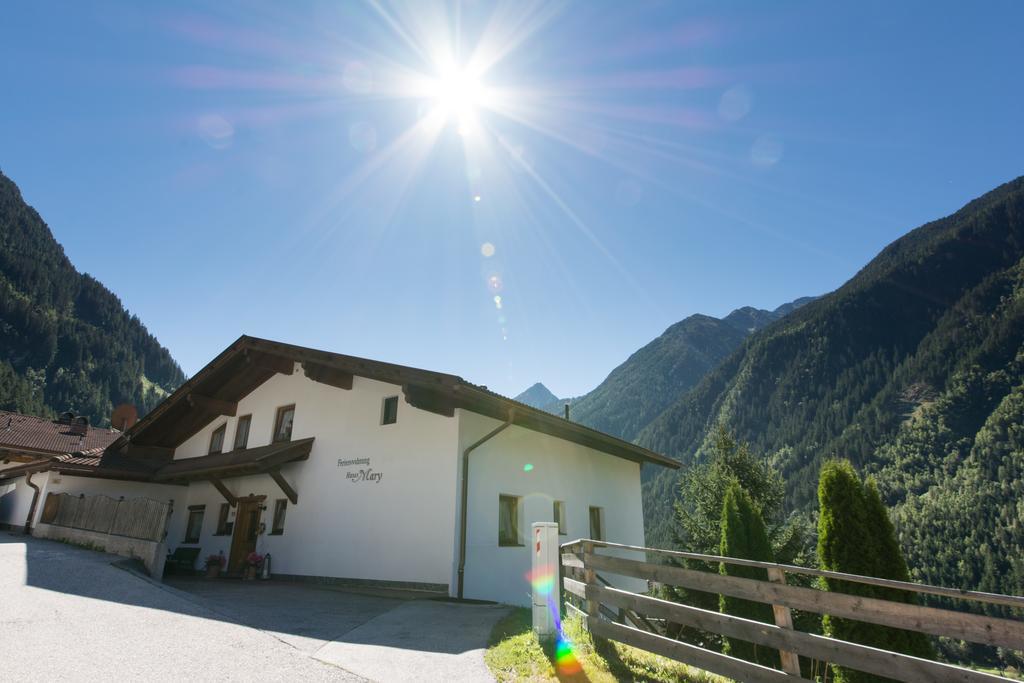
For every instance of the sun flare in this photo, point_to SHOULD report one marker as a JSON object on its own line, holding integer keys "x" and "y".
{"x": 458, "y": 95}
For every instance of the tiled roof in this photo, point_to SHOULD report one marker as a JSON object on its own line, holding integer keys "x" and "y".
{"x": 48, "y": 437}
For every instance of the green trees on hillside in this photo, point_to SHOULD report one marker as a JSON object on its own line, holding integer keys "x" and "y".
{"x": 701, "y": 496}
{"x": 744, "y": 535}
{"x": 66, "y": 342}
{"x": 701, "y": 499}
{"x": 855, "y": 536}
{"x": 844, "y": 373}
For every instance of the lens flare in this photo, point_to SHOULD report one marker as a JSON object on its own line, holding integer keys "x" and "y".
{"x": 528, "y": 467}
{"x": 543, "y": 580}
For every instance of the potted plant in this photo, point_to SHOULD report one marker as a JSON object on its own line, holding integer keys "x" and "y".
{"x": 214, "y": 565}
{"x": 253, "y": 562}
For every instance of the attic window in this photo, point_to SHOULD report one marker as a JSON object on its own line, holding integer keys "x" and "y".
{"x": 217, "y": 439}
{"x": 283, "y": 423}
{"x": 242, "y": 432}
{"x": 389, "y": 411}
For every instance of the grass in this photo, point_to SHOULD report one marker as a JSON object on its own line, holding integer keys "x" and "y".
{"x": 514, "y": 654}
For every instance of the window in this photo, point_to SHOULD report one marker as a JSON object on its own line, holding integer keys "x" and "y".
{"x": 217, "y": 439}
{"x": 280, "y": 509}
{"x": 195, "y": 523}
{"x": 242, "y": 432}
{"x": 597, "y": 523}
{"x": 223, "y": 525}
{"x": 389, "y": 411}
{"x": 559, "y": 516}
{"x": 508, "y": 521}
{"x": 283, "y": 423}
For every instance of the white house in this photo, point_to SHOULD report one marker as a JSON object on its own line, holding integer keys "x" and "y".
{"x": 351, "y": 470}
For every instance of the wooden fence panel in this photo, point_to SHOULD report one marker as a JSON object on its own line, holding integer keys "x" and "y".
{"x": 141, "y": 518}
{"x": 976, "y": 628}
{"x": 584, "y": 585}
{"x": 715, "y": 662}
{"x": 856, "y": 656}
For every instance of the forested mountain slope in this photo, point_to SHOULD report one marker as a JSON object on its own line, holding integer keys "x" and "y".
{"x": 655, "y": 376}
{"x": 66, "y": 342}
{"x": 912, "y": 369}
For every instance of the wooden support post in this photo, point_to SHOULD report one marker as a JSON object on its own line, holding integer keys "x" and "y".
{"x": 784, "y": 619}
{"x": 285, "y": 486}
{"x": 228, "y": 496}
{"x": 590, "y": 579}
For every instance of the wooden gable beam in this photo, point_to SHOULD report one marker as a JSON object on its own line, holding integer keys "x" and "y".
{"x": 228, "y": 496}
{"x": 425, "y": 399}
{"x": 279, "y": 364}
{"x": 325, "y": 374}
{"x": 285, "y": 486}
{"x": 213, "y": 405}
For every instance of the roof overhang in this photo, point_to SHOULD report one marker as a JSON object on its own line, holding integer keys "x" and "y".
{"x": 249, "y": 362}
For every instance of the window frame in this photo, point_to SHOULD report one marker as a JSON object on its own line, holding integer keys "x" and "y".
{"x": 601, "y": 532}
{"x": 247, "y": 419}
{"x": 517, "y": 502}
{"x": 278, "y": 418}
{"x": 384, "y": 410}
{"x": 224, "y": 527}
{"x": 558, "y": 516}
{"x": 280, "y": 514}
{"x": 200, "y": 512}
{"x": 223, "y": 432}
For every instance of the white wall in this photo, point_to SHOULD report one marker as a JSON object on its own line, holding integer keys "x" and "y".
{"x": 397, "y": 529}
{"x": 16, "y": 498}
{"x": 562, "y": 470}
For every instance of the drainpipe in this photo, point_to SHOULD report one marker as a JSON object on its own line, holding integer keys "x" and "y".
{"x": 32, "y": 506}
{"x": 465, "y": 495}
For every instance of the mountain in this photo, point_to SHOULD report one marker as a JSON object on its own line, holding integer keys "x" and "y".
{"x": 651, "y": 379}
{"x": 914, "y": 370}
{"x": 66, "y": 342}
{"x": 538, "y": 396}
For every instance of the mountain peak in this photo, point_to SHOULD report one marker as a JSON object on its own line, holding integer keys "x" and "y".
{"x": 538, "y": 396}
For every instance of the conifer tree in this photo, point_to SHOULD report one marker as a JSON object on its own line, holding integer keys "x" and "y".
{"x": 744, "y": 536}
{"x": 855, "y": 536}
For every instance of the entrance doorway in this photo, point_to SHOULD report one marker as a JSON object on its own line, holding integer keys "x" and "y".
{"x": 247, "y": 531}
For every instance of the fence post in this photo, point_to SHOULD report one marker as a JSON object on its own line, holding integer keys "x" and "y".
{"x": 784, "y": 619}
{"x": 590, "y": 579}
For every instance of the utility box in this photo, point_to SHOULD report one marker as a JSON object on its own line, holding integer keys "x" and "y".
{"x": 545, "y": 578}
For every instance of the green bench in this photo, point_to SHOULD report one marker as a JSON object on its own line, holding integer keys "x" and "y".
{"x": 182, "y": 560}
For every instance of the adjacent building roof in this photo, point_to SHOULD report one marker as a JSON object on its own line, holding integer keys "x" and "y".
{"x": 249, "y": 362}
{"x": 28, "y": 435}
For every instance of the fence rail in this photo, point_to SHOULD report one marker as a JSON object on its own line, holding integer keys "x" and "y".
{"x": 141, "y": 518}
{"x": 581, "y": 560}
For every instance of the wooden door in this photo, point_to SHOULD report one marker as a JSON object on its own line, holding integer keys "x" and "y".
{"x": 247, "y": 529}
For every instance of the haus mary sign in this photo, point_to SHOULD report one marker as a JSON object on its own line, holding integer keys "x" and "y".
{"x": 362, "y": 472}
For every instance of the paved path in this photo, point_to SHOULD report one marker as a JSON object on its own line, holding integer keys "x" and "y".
{"x": 68, "y": 613}
{"x": 418, "y": 641}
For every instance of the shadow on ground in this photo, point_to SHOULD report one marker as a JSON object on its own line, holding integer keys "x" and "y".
{"x": 331, "y": 623}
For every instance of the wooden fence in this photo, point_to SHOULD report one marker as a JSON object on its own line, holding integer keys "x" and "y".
{"x": 141, "y": 518}
{"x": 629, "y": 617}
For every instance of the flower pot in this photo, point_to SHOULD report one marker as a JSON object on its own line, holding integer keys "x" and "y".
{"x": 213, "y": 571}
{"x": 250, "y": 573}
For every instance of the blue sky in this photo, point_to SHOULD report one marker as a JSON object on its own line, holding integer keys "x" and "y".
{"x": 291, "y": 170}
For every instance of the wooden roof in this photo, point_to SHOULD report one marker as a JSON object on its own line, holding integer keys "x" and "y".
{"x": 249, "y": 362}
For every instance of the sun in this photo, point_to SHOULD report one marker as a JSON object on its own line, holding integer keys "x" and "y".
{"x": 458, "y": 95}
